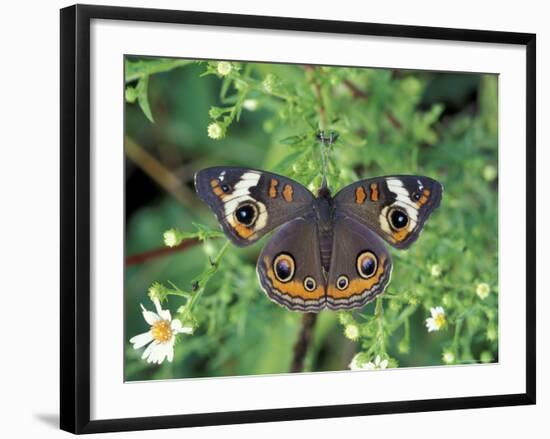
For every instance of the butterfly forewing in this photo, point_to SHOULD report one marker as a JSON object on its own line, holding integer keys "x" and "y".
{"x": 250, "y": 203}
{"x": 395, "y": 207}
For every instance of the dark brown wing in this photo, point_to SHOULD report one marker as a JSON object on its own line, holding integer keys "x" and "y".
{"x": 250, "y": 203}
{"x": 289, "y": 267}
{"x": 395, "y": 207}
{"x": 360, "y": 268}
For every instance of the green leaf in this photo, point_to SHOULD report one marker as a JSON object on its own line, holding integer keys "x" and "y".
{"x": 134, "y": 70}
{"x": 143, "y": 100}
{"x": 293, "y": 140}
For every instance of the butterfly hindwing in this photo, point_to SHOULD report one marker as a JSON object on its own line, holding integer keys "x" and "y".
{"x": 250, "y": 203}
{"x": 360, "y": 267}
{"x": 395, "y": 207}
{"x": 289, "y": 267}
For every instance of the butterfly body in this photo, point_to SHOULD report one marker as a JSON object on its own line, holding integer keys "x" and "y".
{"x": 327, "y": 251}
{"x": 323, "y": 207}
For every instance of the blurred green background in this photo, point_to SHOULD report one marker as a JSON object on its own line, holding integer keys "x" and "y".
{"x": 443, "y": 125}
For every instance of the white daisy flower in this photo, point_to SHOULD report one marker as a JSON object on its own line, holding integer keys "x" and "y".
{"x": 355, "y": 364}
{"x": 161, "y": 335}
{"x": 437, "y": 320}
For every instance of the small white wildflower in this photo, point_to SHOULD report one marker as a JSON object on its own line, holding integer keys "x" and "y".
{"x": 161, "y": 336}
{"x": 171, "y": 238}
{"x": 352, "y": 332}
{"x": 482, "y": 290}
{"x": 357, "y": 364}
{"x": 224, "y": 68}
{"x": 448, "y": 357}
{"x": 437, "y": 320}
{"x": 435, "y": 270}
{"x": 250, "y": 104}
{"x": 215, "y": 131}
{"x": 489, "y": 173}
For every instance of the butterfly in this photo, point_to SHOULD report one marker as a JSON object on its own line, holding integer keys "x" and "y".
{"x": 326, "y": 252}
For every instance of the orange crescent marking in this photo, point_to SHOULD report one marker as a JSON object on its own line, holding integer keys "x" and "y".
{"x": 400, "y": 235}
{"x": 424, "y": 199}
{"x": 273, "y": 188}
{"x": 374, "y": 191}
{"x": 215, "y": 184}
{"x": 287, "y": 192}
{"x": 293, "y": 288}
{"x": 243, "y": 231}
{"x": 358, "y": 284}
{"x": 360, "y": 195}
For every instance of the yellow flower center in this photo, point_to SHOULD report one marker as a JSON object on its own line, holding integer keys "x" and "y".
{"x": 161, "y": 331}
{"x": 439, "y": 320}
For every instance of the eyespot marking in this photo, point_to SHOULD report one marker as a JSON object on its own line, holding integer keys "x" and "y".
{"x": 367, "y": 263}
{"x": 342, "y": 282}
{"x": 284, "y": 267}
{"x": 288, "y": 192}
{"x": 273, "y": 188}
{"x": 374, "y": 191}
{"x": 246, "y": 214}
{"x": 310, "y": 284}
{"x": 360, "y": 195}
{"x": 398, "y": 218}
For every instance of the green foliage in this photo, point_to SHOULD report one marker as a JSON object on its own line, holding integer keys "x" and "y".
{"x": 267, "y": 116}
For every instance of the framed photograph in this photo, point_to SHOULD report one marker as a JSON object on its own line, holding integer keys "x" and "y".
{"x": 268, "y": 218}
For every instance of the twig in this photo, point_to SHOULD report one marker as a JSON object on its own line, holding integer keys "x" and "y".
{"x": 356, "y": 92}
{"x": 393, "y": 120}
{"x": 140, "y": 258}
{"x": 158, "y": 172}
{"x": 319, "y": 94}
{"x": 304, "y": 340}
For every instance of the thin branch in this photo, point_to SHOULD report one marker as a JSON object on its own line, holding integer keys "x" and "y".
{"x": 304, "y": 340}
{"x": 158, "y": 172}
{"x": 356, "y": 92}
{"x": 319, "y": 94}
{"x": 393, "y": 120}
{"x": 140, "y": 258}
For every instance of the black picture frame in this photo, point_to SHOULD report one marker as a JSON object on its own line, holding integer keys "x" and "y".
{"x": 75, "y": 217}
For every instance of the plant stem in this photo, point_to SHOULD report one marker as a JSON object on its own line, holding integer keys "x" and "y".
{"x": 158, "y": 172}
{"x": 323, "y": 123}
{"x": 205, "y": 277}
{"x": 379, "y": 313}
{"x": 140, "y": 258}
{"x": 304, "y": 340}
{"x": 356, "y": 92}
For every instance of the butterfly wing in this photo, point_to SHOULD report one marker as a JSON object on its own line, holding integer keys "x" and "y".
{"x": 395, "y": 207}
{"x": 289, "y": 267}
{"x": 250, "y": 203}
{"x": 360, "y": 268}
